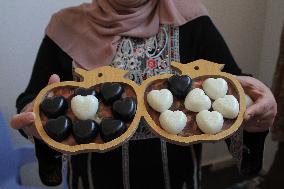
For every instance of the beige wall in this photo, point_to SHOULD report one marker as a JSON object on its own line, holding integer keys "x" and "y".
{"x": 270, "y": 45}
{"x": 241, "y": 23}
{"x": 252, "y": 31}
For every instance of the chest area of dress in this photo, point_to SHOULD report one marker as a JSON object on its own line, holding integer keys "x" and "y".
{"x": 146, "y": 57}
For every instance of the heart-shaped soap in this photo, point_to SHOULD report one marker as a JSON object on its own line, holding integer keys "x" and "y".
{"x": 111, "y": 92}
{"x": 173, "y": 122}
{"x": 85, "y": 131}
{"x": 197, "y": 100}
{"x": 124, "y": 109}
{"x": 160, "y": 100}
{"x": 228, "y": 106}
{"x": 84, "y": 107}
{"x": 249, "y": 101}
{"x": 209, "y": 122}
{"x": 58, "y": 129}
{"x": 111, "y": 128}
{"x": 215, "y": 88}
{"x": 179, "y": 85}
{"x": 85, "y": 92}
{"x": 54, "y": 106}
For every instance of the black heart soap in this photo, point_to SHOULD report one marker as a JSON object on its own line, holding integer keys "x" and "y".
{"x": 111, "y": 92}
{"x": 85, "y": 131}
{"x": 54, "y": 106}
{"x": 85, "y": 92}
{"x": 111, "y": 128}
{"x": 58, "y": 129}
{"x": 124, "y": 109}
{"x": 180, "y": 85}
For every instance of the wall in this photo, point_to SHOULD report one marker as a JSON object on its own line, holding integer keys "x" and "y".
{"x": 271, "y": 40}
{"x": 22, "y": 27}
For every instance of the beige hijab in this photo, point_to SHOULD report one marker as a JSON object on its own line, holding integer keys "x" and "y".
{"x": 89, "y": 33}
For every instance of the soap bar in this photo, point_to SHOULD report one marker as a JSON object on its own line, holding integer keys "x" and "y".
{"x": 209, "y": 122}
{"x": 111, "y": 128}
{"x": 85, "y": 131}
{"x": 180, "y": 85}
{"x": 173, "y": 122}
{"x": 215, "y": 88}
{"x": 54, "y": 106}
{"x": 58, "y": 129}
{"x": 111, "y": 92}
{"x": 124, "y": 109}
{"x": 228, "y": 106}
{"x": 197, "y": 100}
{"x": 84, "y": 107}
{"x": 85, "y": 92}
{"x": 160, "y": 100}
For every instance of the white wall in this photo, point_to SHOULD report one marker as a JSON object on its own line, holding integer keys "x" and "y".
{"x": 22, "y": 26}
{"x": 271, "y": 40}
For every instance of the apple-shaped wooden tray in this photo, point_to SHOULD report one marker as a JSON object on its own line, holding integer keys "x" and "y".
{"x": 198, "y": 71}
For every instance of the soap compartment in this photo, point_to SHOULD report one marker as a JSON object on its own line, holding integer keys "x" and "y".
{"x": 191, "y": 128}
{"x": 104, "y": 110}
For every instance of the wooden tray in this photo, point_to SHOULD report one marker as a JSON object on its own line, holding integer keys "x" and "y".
{"x": 110, "y": 74}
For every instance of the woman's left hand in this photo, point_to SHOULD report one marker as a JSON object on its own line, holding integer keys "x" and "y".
{"x": 259, "y": 117}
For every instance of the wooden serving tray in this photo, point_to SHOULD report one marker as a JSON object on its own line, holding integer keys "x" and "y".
{"x": 104, "y": 74}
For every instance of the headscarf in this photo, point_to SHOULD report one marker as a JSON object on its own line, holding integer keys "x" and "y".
{"x": 89, "y": 33}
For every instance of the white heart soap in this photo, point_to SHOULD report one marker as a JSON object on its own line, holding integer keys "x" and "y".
{"x": 209, "y": 122}
{"x": 215, "y": 88}
{"x": 249, "y": 101}
{"x": 228, "y": 106}
{"x": 160, "y": 100}
{"x": 173, "y": 122}
{"x": 196, "y": 101}
{"x": 84, "y": 107}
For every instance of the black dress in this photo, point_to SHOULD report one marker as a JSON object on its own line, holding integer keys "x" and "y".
{"x": 146, "y": 161}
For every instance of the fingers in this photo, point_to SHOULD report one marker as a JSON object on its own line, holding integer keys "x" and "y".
{"x": 22, "y": 120}
{"x": 54, "y": 78}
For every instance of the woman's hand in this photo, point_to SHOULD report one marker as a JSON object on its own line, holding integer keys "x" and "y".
{"x": 25, "y": 120}
{"x": 259, "y": 117}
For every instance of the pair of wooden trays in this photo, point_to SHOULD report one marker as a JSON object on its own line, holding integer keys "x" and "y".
{"x": 197, "y": 70}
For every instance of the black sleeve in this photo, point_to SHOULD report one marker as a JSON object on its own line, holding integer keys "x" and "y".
{"x": 200, "y": 39}
{"x": 50, "y": 60}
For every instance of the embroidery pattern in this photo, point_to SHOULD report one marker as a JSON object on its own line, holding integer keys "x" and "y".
{"x": 145, "y": 58}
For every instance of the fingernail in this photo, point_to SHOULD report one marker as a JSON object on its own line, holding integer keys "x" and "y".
{"x": 31, "y": 116}
{"x": 247, "y": 117}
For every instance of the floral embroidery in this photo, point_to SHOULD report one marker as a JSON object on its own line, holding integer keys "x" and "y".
{"x": 145, "y": 58}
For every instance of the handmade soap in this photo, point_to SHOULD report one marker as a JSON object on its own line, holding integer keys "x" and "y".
{"x": 58, "y": 129}
{"x": 111, "y": 128}
{"x": 228, "y": 106}
{"x": 85, "y": 131}
{"x": 215, "y": 88}
{"x": 85, "y": 92}
{"x": 179, "y": 85}
{"x": 54, "y": 106}
{"x": 197, "y": 100}
{"x": 209, "y": 122}
{"x": 173, "y": 122}
{"x": 84, "y": 107}
{"x": 124, "y": 109}
{"x": 160, "y": 100}
{"x": 111, "y": 92}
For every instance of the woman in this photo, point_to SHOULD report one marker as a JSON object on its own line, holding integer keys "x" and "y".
{"x": 143, "y": 37}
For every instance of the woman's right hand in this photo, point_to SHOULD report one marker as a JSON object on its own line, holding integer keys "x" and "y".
{"x": 25, "y": 120}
